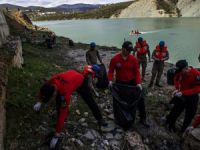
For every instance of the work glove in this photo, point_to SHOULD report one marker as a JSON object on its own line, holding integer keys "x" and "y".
{"x": 53, "y": 142}
{"x": 110, "y": 84}
{"x": 139, "y": 86}
{"x": 178, "y": 94}
{"x": 37, "y": 106}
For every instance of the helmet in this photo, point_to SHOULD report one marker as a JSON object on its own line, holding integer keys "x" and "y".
{"x": 140, "y": 39}
{"x": 162, "y": 43}
{"x": 92, "y": 45}
{"x": 96, "y": 68}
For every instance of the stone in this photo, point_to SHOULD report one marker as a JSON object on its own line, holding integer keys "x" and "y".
{"x": 110, "y": 127}
{"x": 91, "y": 135}
{"x": 109, "y": 136}
{"x": 82, "y": 120}
{"x": 77, "y": 112}
{"x": 118, "y": 136}
{"x": 134, "y": 141}
{"x": 79, "y": 143}
{"x": 86, "y": 114}
{"x": 84, "y": 124}
{"x": 111, "y": 116}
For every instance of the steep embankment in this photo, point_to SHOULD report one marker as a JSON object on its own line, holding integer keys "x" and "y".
{"x": 162, "y": 8}
{"x": 147, "y": 8}
{"x": 189, "y": 8}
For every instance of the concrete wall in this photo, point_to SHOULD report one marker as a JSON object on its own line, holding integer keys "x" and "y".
{"x": 4, "y": 30}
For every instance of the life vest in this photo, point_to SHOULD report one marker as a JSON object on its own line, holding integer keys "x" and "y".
{"x": 160, "y": 53}
{"x": 141, "y": 48}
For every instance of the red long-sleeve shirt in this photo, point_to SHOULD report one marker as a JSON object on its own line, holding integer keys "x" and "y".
{"x": 188, "y": 83}
{"x": 196, "y": 121}
{"x": 66, "y": 83}
{"x": 126, "y": 70}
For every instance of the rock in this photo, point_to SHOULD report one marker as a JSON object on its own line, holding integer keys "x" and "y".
{"x": 109, "y": 136}
{"x": 120, "y": 130}
{"x": 134, "y": 141}
{"x": 107, "y": 111}
{"x": 118, "y": 136}
{"x": 149, "y": 94}
{"x": 114, "y": 144}
{"x": 81, "y": 120}
{"x": 77, "y": 112}
{"x": 91, "y": 135}
{"x": 110, "y": 127}
{"x": 84, "y": 124}
{"x": 86, "y": 114}
{"x": 106, "y": 142}
{"x": 79, "y": 143}
{"x": 111, "y": 116}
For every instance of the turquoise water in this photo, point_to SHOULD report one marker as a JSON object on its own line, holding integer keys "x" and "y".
{"x": 182, "y": 35}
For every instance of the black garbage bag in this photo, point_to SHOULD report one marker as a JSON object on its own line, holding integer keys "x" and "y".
{"x": 102, "y": 81}
{"x": 170, "y": 76}
{"x": 125, "y": 100}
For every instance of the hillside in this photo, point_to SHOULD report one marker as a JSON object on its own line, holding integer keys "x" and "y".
{"x": 148, "y": 8}
{"x": 105, "y": 11}
{"x": 162, "y": 8}
{"x": 64, "y": 7}
{"x": 189, "y": 8}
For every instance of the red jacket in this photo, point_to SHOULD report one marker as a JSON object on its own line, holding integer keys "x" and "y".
{"x": 141, "y": 48}
{"x": 160, "y": 53}
{"x": 126, "y": 70}
{"x": 188, "y": 83}
{"x": 66, "y": 83}
{"x": 196, "y": 121}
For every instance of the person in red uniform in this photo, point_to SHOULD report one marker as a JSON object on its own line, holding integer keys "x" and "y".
{"x": 187, "y": 84}
{"x": 159, "y": 55}
{"x": 61, "y": 86}
{"x": 127, "y": 71}
{"x": 142, "y": 49}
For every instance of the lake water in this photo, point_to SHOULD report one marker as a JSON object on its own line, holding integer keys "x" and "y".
{"x": 182, "y": 35}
